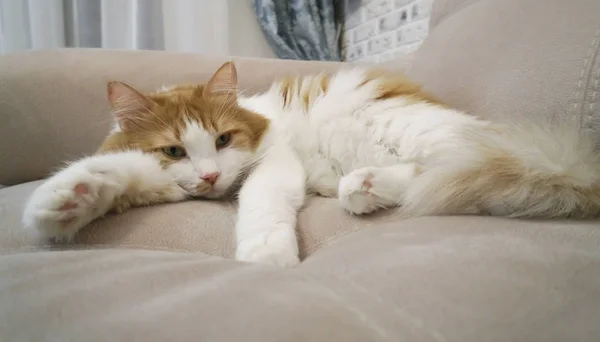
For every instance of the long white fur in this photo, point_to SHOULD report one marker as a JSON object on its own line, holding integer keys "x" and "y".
{"x": 370, "y": 153}
{"x": 106, "y": 177}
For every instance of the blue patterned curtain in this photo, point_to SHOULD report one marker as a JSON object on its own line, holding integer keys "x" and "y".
{"x": 301, "y": 29}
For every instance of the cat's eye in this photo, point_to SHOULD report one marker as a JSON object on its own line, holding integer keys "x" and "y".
{"x": 174, "y": 152}
{"x": 223, "y": 140}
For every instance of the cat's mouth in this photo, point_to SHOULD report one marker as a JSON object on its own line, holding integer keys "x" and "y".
{"x": 222, "y": 189}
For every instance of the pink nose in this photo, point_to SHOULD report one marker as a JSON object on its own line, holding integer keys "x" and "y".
{"x": 211, "y": 178}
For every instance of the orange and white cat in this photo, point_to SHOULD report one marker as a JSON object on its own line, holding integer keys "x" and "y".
{"x": 371, "y": 140}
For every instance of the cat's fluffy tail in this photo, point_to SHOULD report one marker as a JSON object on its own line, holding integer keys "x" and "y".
{"x": 519, "y": 172}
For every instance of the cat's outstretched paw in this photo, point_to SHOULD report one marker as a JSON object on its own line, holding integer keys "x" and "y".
{"x": 59, "y": 208}
{"x": 355, "y": 194}
{"x": 264, "y": 250}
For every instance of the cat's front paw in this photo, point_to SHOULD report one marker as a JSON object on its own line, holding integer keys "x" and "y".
{"x": 59, "y": 208}
{"x": 267, "y": 249}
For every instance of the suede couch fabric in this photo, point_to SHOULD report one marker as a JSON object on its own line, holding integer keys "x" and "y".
{"x": 431, "y": 279}
{"x": 516, "y": 59}
{"x": 164, "y": 273}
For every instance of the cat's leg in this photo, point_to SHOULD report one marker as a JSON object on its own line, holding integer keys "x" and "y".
{"x": 321, "y": 179}
{"x": 269, "y": 202}
{"x": 89, "y": 188}
{"x": 365, "y": 190}
{"x": 323, "y": 182}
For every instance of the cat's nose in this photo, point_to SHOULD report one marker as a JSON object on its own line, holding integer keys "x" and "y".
{"x": 211, "y": 178}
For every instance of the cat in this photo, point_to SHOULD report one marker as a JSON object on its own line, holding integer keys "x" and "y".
{"x": 370, "y": 139}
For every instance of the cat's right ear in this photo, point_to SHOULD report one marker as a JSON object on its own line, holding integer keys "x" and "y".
{"x": 128, "y": 105}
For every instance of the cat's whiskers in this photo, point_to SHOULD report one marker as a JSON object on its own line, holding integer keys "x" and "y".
{"x": 186, "y": 110}
{"x": 140, "y": 119}
{"x": 221, "y": 110}
{"x": 162, "y": 122}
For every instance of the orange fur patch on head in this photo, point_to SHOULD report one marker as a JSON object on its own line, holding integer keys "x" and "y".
{"x": 157, "y": 120}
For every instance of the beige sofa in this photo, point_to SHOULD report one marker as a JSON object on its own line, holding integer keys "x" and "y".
{"x": 163, "y": 273}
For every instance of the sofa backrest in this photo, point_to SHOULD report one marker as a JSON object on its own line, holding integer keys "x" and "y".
{"x": 509, "y": 59}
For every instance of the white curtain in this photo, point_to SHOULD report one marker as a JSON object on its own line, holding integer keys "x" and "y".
{"x": 225, "y": 27}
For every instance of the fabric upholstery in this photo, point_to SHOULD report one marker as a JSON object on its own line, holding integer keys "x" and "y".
{"x": 446, "y": 8}
{"x": 433, "y": 279}
{"x": 156, "y": 274}
{"x": 515, "y": 59}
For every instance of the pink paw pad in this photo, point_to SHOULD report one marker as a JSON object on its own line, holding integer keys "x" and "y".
{"x": 366, "y": 184}
{"x": 81, "y": 189}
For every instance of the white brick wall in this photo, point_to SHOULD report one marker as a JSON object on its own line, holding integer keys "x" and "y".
{"x": 380, "y": 30}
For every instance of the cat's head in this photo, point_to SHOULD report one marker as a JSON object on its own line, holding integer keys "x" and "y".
{"x": 197, "y": 132}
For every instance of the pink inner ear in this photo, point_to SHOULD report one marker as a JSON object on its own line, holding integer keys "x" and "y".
{"x": 127, "y": 104}
{"x": 118, "y": 90}
{"x": 224, "y": 81}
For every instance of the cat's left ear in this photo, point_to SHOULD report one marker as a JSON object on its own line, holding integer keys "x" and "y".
{"x": 223, "y": 82}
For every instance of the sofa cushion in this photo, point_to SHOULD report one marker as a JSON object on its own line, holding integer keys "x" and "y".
{"x": 477, "y": 278}
{"x": 463, "y": 279}
{"x": 444, "y": 8}
{"x": 515, "y": 59}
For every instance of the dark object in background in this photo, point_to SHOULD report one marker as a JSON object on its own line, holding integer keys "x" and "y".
{"x": 301, "y": 29}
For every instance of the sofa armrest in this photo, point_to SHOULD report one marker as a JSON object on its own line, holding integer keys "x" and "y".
{"x": 53, "y": 103}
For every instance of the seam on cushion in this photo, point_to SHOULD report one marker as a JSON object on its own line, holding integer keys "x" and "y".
{"x": 593, "y": 83}
{"x": 359, "y": 224}
{"x": 356, "y": 311}
{"x": 577, "y": 109}
{"x": 414, "y": 321}
{"x": 325, "y": 242}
